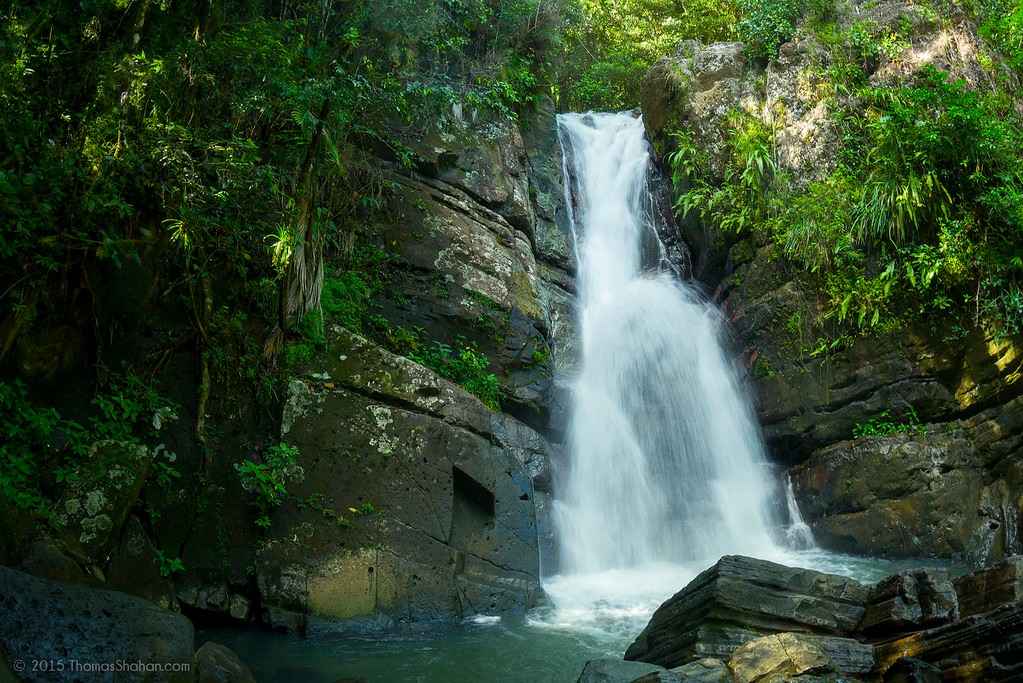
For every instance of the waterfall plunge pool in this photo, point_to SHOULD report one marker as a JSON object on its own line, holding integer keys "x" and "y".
{"x": 586, "y": 617}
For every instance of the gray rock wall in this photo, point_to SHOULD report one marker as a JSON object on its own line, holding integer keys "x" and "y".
{"x": 453, "y": 528}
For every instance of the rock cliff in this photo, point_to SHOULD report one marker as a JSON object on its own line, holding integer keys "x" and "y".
{"x": 417, "y": 502}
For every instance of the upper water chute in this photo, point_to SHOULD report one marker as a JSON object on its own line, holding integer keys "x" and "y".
{"x": 666, "y": 462}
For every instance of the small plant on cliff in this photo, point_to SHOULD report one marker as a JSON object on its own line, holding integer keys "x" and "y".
{"x": 464, "y": 365}
{"x": 741, "y": 201}
{"x": 885, "y": 424}
{"x": 766, "y": 24}
{"x": 169, "y": 566}
{"x": 267, "y": 481}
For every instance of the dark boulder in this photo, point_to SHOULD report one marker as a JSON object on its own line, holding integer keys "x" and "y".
{"x": 215, "y": 663}
{"x": 611, "y": 670}
{"x": 60, "y": 622}
{"x": 910, "y": 601}
{"x": 740, "y": 599}
{"x": 987, "y": 589}
{"x": 986, "y": 647}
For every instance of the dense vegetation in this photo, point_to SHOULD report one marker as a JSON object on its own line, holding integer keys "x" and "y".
{"x": 201, "y": 175}
{"x": 921, "y": 218}
{"x": 204, "y": 175}
{"x": 209, "y": 166}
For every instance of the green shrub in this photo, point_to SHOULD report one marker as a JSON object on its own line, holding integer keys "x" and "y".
{"x": 609, "y": 44}
{"x": 41, "y": 451}
{"x": 267, "y": 481}
{"x": 921, "y": 219}
{"x": 1002, "y": 27}
{"x": 464, "y": 365}
{"x": 767, "y": 24}
{"x": 885, "y": 424}
{"x": 30, "y": 437}
{"x": 740, "y": 201}
{"x": 169, "y": 566}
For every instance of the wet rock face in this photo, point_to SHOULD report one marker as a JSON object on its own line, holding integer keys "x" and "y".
{"x": 952, "y": 491}
{"x": 49, "y": 620}
{"x": 482, "y": 250}
{"x": 419, "y": 499}
{"x": 985, "y": 590}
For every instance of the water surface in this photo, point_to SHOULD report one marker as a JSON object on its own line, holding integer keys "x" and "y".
{"x": 588, "y": 616}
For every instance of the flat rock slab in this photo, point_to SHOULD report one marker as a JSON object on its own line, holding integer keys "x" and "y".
{"x": 740, "y": 599}
{"x": 610, "y": 670}
{"x": 701, "y": 671}
{"x": 72, "y": 626}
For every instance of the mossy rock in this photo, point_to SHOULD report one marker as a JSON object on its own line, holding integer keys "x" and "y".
{"x": 93, "y": 508}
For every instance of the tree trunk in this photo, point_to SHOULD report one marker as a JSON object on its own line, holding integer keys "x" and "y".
{"x": 304, "y": 277}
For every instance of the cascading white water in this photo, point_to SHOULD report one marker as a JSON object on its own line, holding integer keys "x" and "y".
{"x": 797, "y": 534}
{"x": 666, "y": 462}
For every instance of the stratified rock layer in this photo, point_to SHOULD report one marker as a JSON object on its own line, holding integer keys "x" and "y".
{"x": 985, "y": 590}
{"x": 773, "y": 624}
{"x": 740, "y": 599}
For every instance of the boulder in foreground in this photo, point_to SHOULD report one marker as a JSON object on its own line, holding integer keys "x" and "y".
{"x": 59, "y": 622}
{"x": 772, "y": 623}
{"x": 216, "y": 663}
{"x": 740, "y": 599}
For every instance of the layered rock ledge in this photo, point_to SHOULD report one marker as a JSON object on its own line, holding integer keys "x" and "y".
{"x": 751, "y": 621}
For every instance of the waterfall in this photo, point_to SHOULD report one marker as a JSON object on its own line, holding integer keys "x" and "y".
{"x": 797, "y": 534}
{"x": 666, "y": 462}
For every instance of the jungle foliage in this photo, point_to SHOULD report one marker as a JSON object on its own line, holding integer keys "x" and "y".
{"x": 215, "y": 168}
{"x": 921, "y": 218}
